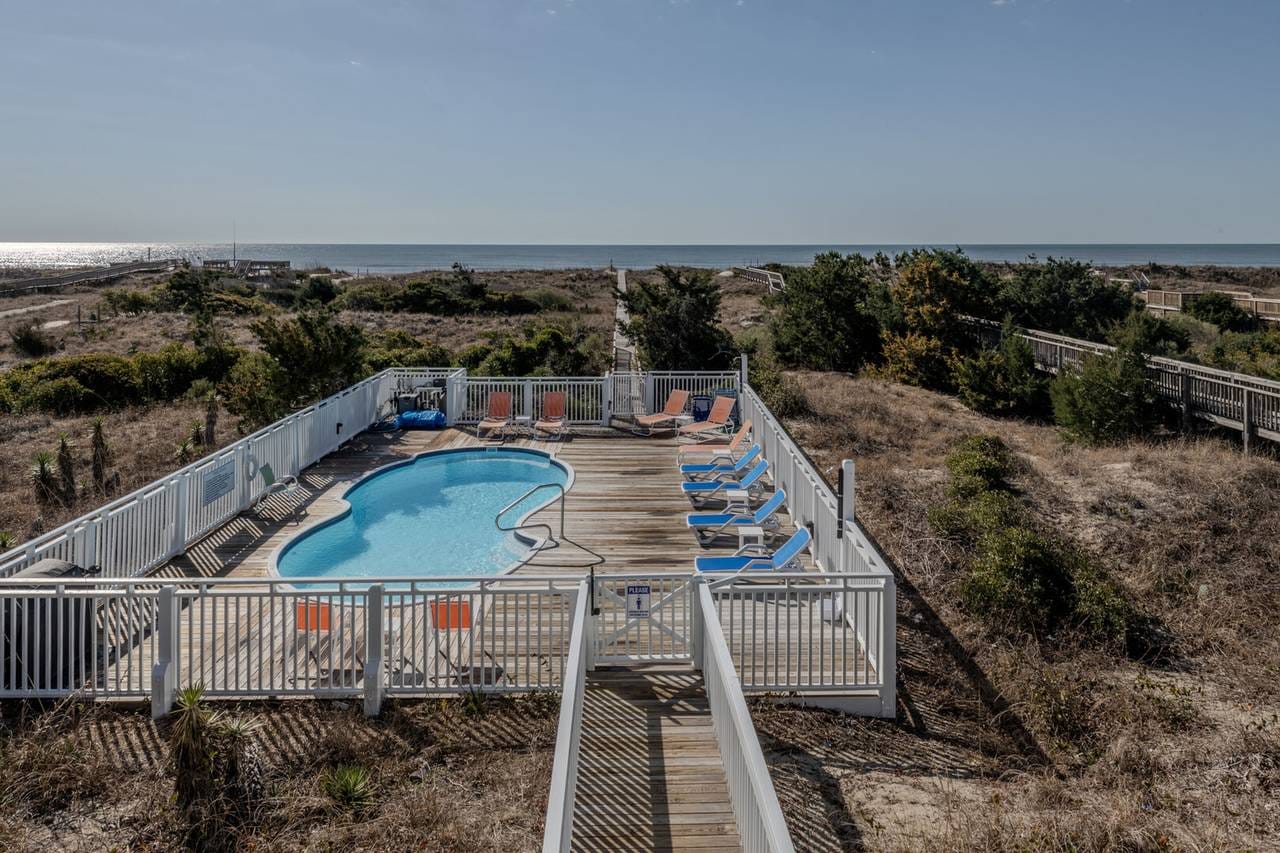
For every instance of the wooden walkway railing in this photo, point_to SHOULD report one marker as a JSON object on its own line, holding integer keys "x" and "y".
{"x": 1250, "y": 404}
{"x": 773, "y": 280}
{"x": 52, "y": 282}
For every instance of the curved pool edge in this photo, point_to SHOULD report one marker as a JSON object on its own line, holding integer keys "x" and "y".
{"x": 273, "y": 571}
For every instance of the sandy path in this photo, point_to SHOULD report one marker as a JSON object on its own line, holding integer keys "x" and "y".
{"x": 13, "y": 312}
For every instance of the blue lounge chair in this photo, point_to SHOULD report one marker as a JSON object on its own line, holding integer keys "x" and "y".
{"x": 701, "y": 470}
{"x": 702, "y": 490}
{"x": 709, "y": 525}
{"x": 780, "y": 560}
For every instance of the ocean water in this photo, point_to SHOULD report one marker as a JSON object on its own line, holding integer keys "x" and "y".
{"x": 431, "y": 518}
{"x": 401, "y": 258}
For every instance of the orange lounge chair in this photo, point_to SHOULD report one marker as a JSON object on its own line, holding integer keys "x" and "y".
{"x": 499, "y": 416}
{"x": 717, "y": 419}
{"x": 552, "y": 420}
{"x": 676, "y": 401}
{"x": 714, "y": 451}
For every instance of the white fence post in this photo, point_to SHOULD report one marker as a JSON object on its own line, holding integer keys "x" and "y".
{"x": 697, "y": 630}
{"x": 606, "y": 399}
{"x": 179, "y": 543}
{"x": 373, "y": 644}
{"x": 742, "y": 371}
{"x": 889, "y": 650}
{"x": 164, "y": 673}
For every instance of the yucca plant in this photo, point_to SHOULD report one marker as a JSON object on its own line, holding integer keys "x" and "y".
{"x": 210, "y": 418}
{"x": 196, "y": 437}
{"x": 101, "y": 454}
{"x": 184, "y": 452}
{"x": 66, "y": 469}
{"x": 349, "y": 787}
{"x": 243, "y": 770}
{"x": 192, "y": 746}
{"x": 43, "y": 478}
{"x": 7, "y": 540}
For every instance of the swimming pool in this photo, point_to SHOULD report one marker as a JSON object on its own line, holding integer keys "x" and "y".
{"x": 428, "y": 517}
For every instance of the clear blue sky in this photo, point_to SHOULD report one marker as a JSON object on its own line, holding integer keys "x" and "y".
{"x": 641, "y": 121}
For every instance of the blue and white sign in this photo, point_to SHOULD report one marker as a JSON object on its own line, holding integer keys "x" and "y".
{"x": 638, "y": 600}
{"x": 218, "y": 481}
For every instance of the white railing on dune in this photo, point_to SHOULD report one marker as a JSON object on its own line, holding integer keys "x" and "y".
{"x": 561, "y": 800}
{"x": 762, "y": 827}
{"x": 840, "y": 545}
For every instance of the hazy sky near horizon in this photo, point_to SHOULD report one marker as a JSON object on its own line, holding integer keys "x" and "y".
{"x": 641, "y": 121}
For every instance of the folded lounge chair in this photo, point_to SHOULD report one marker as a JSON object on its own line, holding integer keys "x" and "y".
{"x": 715, "y": 451}
{"x": 785, "y": 558}
{"x": 709, "y": 525}
{"x": 498, "y": 419}
{"x": 676, "y": 401}
{"x": 707, "y": 470}
{"x": 552, "y": 421}
{"x": 717, "y": 420}
{"x": 703, "y": 490}
{"x": 272, "y": 486}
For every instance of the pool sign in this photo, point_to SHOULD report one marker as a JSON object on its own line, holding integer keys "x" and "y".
{"x": 218, "y": 481}
{"x": 638, "y": 600}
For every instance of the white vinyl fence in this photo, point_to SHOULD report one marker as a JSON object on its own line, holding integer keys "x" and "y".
{"x": 586, "y": 398}
{"x": 137, "y": 638}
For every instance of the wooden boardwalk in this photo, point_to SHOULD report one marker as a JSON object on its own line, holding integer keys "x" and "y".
{"x": 650, "y": 776}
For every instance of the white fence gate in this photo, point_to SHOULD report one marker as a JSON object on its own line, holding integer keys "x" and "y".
{"x": 642, "y": 618}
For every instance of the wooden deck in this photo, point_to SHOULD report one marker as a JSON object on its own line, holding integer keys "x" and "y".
{"x": 624, "y": 504}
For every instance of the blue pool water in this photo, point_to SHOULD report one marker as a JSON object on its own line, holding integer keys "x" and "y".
{"x": 429, "y": 518}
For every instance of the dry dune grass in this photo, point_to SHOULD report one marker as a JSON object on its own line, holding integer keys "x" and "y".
{"x": 142, "y": 439}
{"x": 445, "y": 777}
{"x": 1009, "y": 745}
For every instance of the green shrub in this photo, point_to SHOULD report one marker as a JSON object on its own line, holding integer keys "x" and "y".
{"x": 1107, "y": 400}
{"x": 968, "y": 519}
{"x": 1148, "y": 334}
{"x": 1257, "y": 353}
{"x": 252, "y": 390}
{"x": 397, "y": 348}
{"x": 549, "y": 299}
{"x": 675, "y": 321}
{"x": 825, "y": 321}
{"x": 1064, "y": 296}
{"x": 1019, "y": 579}
{"x": 550, "y": 349}
{"x": 1222, "y": 311}
{"x": 63, "y": 396}
{"x": 1003, "y": 380}
{"x": 315, "y": 355}
{"x": 979, "y": 463}
{"x": 1101, "y": 610}
{"x": 130, "y": 302}
{"x": 319, "y": 289}
{"x": 916, "y": 359}
{"x": 29, "y": 340}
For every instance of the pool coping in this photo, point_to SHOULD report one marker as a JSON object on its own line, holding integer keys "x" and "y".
{"x": 533, "y": 542}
